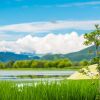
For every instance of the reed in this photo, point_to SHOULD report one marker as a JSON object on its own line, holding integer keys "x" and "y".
{"x": 64, "y": 90}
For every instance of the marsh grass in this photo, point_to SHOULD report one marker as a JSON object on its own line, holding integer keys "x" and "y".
{"x": 64, "y": 90}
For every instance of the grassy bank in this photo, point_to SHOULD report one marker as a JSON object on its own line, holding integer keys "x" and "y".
{"x": 66, "y": 68}
{"x": 65, "y": 90}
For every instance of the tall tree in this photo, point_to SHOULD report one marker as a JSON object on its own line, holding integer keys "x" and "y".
{"x": 93, "y": 38}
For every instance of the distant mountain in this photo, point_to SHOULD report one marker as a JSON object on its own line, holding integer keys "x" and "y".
{"x": 7, "y": 56}
{"x": 87, "y": 54}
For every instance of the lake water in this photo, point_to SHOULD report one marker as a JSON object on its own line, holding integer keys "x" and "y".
{"x": 38, "y": 75}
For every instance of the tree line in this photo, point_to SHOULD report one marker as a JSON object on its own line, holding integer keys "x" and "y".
{"x": 60, "y": 63}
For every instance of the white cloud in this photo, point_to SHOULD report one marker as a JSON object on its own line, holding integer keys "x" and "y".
{"x": 49, "y": 26}
{"x": 10, "y": 36}
{"x": 50, "y": 43}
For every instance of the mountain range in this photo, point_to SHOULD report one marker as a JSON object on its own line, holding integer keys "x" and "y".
{"x": 87, "y": 53}
{"x": 8, "y": 56}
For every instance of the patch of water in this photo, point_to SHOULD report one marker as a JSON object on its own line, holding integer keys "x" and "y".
{"x": 12, "y": 75}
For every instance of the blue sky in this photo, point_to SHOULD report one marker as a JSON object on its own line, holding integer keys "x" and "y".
{"x": 22, "y": 18}
{"x": 22, "y": 11}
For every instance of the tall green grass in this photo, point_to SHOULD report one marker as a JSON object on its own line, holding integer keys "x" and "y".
{"x": 64, "y": 90}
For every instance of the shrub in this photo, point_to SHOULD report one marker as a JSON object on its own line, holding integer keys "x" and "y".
{"x": 84, "y": 63}
{"x": 2, "y": 65}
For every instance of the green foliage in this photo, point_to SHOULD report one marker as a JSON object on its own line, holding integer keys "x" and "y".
{"x": 64, "y": 90}
{"x": 2, "y": 65}
{"x": 9, "y": 64}
{"x": 84, "y": 63}
{"x": 76, "y": 64}
{"x": 22, "y": 64}
{"x": 41, "y": 64}
{"x": 94, "y": 38}
{"x": 34, "y": 64}
{"x": 61, "y": 63}
{"x": 95, "y": 60}
{"x": 48, "y": 64}
{"x": 64, "y": 63}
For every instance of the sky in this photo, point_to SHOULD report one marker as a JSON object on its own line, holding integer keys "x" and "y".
{"x": 46, "y": 26}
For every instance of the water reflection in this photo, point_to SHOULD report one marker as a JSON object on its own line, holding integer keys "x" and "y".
{"x": 34, "y": 75}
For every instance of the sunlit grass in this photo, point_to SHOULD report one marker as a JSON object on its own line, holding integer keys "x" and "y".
{"x": 64, "y": 90}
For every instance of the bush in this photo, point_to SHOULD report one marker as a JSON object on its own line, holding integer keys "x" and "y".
{"x": 95, "y": 60}
{"x": 84, "y": 63}
{"x": 34, "y": 64}
{"x": 76, "y": 64}
{"x": 48, "y": 64}
{"x": 2, "y": 65}
{"x": 9, "y": 64}
{"x": 22, "y": 64}
{"x": 64, "y": 63}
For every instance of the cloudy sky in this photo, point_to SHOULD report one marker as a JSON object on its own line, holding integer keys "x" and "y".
{"x": 46, "y": 26}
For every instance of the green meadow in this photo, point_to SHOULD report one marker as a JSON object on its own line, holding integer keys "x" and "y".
{"x": 63, "y": 90}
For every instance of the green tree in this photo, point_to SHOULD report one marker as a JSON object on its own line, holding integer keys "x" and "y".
{"x": 22, "y": 64}
{"x": 48, "y": 64}
{"x": 76, "y": 63}
{"x": 41, "y": 64}
{"x": 9, "y": 64}
{"x": 93, "y": 38}
{"x": 17, "y": 64}
{"x": 64, "y": 63}
{"x": 34, "y": 64}
{"x": 84, "y": 63}
{"x": 94, "y": 60}
{"x": 2, "y": 65}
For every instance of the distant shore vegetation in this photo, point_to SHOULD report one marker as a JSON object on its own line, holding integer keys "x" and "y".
{"x": 60, "y": 63}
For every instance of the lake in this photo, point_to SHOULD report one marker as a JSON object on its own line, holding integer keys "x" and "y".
{"x": 31, "y": 75}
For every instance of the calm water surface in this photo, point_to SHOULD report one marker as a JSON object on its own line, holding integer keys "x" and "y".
{"x": 52, "y": 75}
